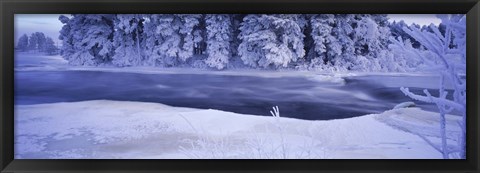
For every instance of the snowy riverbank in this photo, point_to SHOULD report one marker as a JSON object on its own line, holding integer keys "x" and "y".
{"x": 114, "y": 129}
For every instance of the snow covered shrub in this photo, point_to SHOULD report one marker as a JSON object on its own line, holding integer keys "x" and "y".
{"x": 449, "y": 48}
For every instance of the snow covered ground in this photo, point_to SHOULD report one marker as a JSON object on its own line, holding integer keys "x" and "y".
{"x": 115, "y": 129}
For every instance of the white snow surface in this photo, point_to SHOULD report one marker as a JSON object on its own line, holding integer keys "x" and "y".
{"x": 135, "y": 130}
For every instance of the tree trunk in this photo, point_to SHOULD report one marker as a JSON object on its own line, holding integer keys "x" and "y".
{"x": 441, "y": 107}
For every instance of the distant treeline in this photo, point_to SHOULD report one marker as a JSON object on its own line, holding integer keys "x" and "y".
{"x": 37, "y": 42}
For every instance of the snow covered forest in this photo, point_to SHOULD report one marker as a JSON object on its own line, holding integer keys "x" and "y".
{"x": 325, "y": 42}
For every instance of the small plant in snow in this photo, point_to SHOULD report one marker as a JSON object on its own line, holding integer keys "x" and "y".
{"x": 270, "y": 144}
{"x": 276, "y": 113}
{"x": 206, "y": 147}
{"x": 267, "y": 145}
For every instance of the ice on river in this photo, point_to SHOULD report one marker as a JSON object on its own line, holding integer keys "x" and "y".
{"x": 120, "y": 129}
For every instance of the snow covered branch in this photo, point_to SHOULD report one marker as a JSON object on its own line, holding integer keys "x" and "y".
{"x": 430, "y": 99}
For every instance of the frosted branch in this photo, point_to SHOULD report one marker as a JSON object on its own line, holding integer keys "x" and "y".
{"x": 431, "y": 99}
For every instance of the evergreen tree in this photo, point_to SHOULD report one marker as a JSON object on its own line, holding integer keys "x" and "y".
{"x": 50, "y": 47}
{"x": 66, "y": 35}
{"x": 33, "y": 42}
{"x": 41, "y": 39}
{"x": 189, "y": 38}
{"x": 270, "y": 40}
{"x": 22, "y": 44}
{"x": 163, "y": 39}
{"x": 37, "y": 42}
{"x": 87, "y": 38}
{"x": 219, "y": 35}
{"x": 344, "y": 33}
{"x": 128, "y": 39}
{"x": 325, "y": 44}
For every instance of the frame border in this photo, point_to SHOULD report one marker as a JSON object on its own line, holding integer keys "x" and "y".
{"x": 10, "y": 7}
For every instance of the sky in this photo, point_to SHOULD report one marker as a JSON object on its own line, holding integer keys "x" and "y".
{"x": 30, "y": 23}
{"x": 50, "y": 25}
{"x": 421, "y": 19}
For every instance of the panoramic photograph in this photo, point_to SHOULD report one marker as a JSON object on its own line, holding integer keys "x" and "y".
{"x": 240, "y": 86}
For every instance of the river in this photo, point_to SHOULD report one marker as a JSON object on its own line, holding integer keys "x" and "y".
{"x": 297, "y": 97}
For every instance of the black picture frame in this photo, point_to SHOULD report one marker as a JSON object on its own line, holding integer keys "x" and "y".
{"x": 10, "y": 7}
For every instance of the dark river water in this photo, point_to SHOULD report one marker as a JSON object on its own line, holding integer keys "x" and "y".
{"x": 297, "y": 97}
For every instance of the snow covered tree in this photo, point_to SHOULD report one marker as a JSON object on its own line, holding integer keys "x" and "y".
{"x": 334, "y": 50}
{"x": 127, "y": 40}
{"x": 370, "y": 39}
{"x": 87, "y": 38}
{"x": 199, "y": 44}
{"x": 219, "y": 35}
{"x": 235, "y": 61}
{"x": 98, "y": 37}
{"x": 41, "y": 39}
{"x": 200, "y": 36}
{"x": 237, "y": 20}
{"x": 33, "y": 42}
{"x": 396, "y": 29}
{"x": 408, "y": 61}
{"x": 171, "y": 39}
{"x": 450, "y": 49}
{"x": 189, "y": 38}
{"x": 349, "y": 41}
{"x": 50, "y": 47}
{"x": 66, "y": 35}
{"x": 332, "y": 41}
{"x": 22, "y": 44}
{"x": 326, "y": 45}
{"x": 37, "y": 42}
{"x": 163, "y": 39}
{"x": 270, "y": 40}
